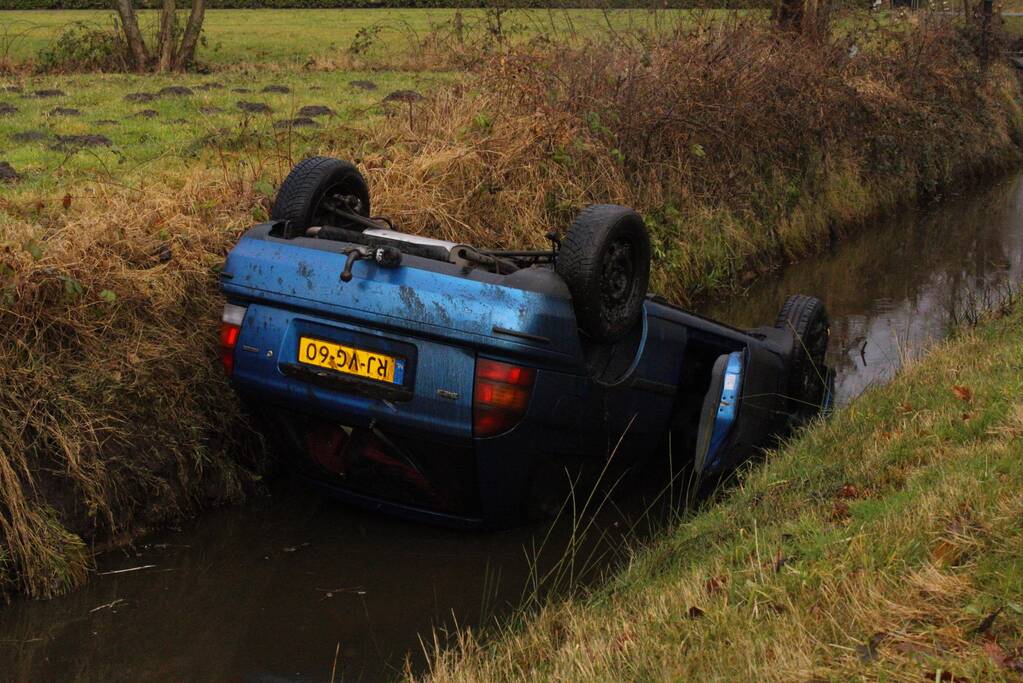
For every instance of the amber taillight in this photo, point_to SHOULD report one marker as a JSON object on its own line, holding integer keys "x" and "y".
{"x": 500, "y": 397}
{"x": 230, "y": 328}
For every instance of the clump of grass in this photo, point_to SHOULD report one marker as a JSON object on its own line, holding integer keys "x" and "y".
{"x": 886, "y": 544}
{"x": 741, "y": 147}
{"x": 113, "y": 414}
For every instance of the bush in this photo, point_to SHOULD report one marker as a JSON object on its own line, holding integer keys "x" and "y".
{"x": 85, "y": 47}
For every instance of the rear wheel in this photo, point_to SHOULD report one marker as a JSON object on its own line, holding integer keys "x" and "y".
{"x": 605, "y": 261}
{"x": 809, "y": 383}
{"x": 313, "y": 186}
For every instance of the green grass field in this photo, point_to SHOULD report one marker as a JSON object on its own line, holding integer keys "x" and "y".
{"x": 270, "y": 35}
{"x": 171, "y": 132}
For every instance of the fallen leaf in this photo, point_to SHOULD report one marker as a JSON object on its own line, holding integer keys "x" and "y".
{"x": 961, "y": 392}
{"x": 716, "y": 584}
{"x": 849, "y": 491}
{"x": 944, "y": 552}
{"x": 904, "y": 408}
{"x": 66, "y": 202}
{"x": 1012, "y": 662}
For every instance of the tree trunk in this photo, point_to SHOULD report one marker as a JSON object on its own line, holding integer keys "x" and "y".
{"x": 166, "y": 46}
{"x": 132, "y": 34}
{"x": 186, "y": 53}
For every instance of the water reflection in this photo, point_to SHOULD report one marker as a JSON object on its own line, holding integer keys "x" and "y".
{"x": 894, "y": 289}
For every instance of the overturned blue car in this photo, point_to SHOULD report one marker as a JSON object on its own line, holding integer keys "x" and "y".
{"x": 464, "y": 385}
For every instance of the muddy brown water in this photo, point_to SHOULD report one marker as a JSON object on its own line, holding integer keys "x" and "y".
{"x": 272, "y": 591}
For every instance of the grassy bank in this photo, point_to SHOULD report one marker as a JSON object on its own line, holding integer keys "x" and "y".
{"x": 885, "y": 544}
{"x": 742, "y": 148}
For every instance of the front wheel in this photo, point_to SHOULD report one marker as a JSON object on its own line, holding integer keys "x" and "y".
{"x": 810, "y": 382}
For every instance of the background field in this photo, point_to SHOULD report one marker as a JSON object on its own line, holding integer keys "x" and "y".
{"x": 272, "y": 35}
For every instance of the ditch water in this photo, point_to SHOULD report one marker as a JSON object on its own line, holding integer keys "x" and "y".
{"x": 296, "y": 586}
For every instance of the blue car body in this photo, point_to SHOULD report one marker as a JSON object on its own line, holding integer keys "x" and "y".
{"x": 408, "y": 446}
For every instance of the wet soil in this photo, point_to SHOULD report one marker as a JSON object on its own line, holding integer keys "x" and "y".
{"x": 30, "y": 136}
{"x": 274, "y": 88}
{"x": 315, "y": 110}
{"x": 253, "y": 107}
{"x": 174, "y": 91}
{"x": 403, "y": 96}
{"x": 7, "y": 173}
{"x": 300, "y": 122}
{"x": 271, "y": 591}
{"x": 69, "y": 142}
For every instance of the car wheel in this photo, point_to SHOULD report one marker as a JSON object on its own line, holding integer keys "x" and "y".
{"x": 313, "y": 186}
{"x": 605, "y": 261}
{"x": 809, "y": 382}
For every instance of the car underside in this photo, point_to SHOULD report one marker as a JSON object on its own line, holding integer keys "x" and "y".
{"x": 471, "y": 386}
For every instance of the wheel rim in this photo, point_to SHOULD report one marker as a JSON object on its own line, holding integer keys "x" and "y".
{"x": 338, "y": 195}
{"x": 618, "y": 275}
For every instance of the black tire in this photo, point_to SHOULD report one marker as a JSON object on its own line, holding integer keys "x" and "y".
{"x": 808, "y": 384}
{"x": 300, "y": 199}
{"x": 605, "y": 261}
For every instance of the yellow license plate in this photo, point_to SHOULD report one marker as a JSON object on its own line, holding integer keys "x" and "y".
{"x": 351, "y": 361}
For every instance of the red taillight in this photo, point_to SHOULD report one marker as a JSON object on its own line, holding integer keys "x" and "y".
{"x": 228, "y": 340}
{"x": 501, "y": 396}
{"x": 230, "y": 328}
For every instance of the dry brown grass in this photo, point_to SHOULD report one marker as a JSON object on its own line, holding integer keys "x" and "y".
{"x": 741, "y": 148}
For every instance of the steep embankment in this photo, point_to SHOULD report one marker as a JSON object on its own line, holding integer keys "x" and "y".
{"x": 742, "y": 147}
{"x": 885, "y": 544}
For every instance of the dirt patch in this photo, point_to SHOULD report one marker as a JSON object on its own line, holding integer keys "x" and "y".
{"x": 30, "y": 136}
{"x": 403, "y": 96}
{"x": 64, "y": 111}
{"x": 139, "y": 97}
{"x": 300, "y": 122}
{"x": 70, "y": 142}
{"x": 210, "y": 110}
{"x": 241, "y": 90}
{"x": 174, "y": 91}
{"x": 315, "y": 110}
{"x": 282, "y": 89}
{"x": 146, "y": 114}
{"x": 253, "y": 107}
{"x": 7, "y": 174}
{"x": 44, "y": 94}
{"x": 7, "y": 109}
{"x": 363, "y": 85}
